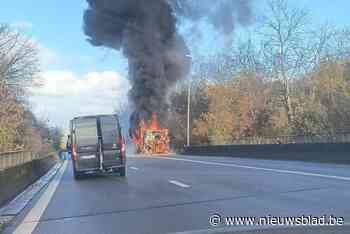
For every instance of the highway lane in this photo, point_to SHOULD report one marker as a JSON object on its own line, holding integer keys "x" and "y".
{"x": 163, "y": 195}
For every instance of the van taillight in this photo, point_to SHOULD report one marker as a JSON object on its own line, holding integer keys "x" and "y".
{"x": 74, "y": 152}
{"x": 122, "y": 148}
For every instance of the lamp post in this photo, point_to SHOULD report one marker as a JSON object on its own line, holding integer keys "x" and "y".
{"x": 188, "y": 107}
{"x": 188, "y": 112}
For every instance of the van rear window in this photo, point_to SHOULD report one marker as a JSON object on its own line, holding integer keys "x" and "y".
{"x": 109, "y": 129}
{"x": 86, "y": 131}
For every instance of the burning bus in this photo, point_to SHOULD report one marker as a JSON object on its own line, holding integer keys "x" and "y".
{"x": 150, "y": 138}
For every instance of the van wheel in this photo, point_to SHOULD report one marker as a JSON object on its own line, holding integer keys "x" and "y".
{"x": 77, "y": 175}
{"x": 122, "y": 171}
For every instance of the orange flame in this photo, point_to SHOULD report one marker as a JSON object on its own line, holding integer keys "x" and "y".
{"x": 159, "y": 145}
{"x": 154, "y": 122}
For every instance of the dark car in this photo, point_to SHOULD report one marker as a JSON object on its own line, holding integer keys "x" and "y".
{"x": 97, "y": 145}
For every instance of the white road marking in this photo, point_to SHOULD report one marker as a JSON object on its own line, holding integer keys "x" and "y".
{"x": 261, "y": 168}
{"x": 182, "y": 185}
{"x": 134, "y": 168}
{"x": 32, "y": 219}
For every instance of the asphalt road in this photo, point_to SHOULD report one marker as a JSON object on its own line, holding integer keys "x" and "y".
{"x": 179, "y": 194}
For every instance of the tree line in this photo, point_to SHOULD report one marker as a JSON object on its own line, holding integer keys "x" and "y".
{"x": 289, "y": 78}
{"x": 19, "y": 68}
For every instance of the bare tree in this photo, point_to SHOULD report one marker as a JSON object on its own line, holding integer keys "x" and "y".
{"x": 342, "y": 42}
{"x": 11, "y": 118}
{"x": 284, "y": 32}
{"x": 322, "y": 45}
{"x": 19, "y": 62}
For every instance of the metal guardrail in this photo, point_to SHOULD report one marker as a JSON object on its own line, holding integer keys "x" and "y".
{"x": 334, "y": 138}
{"x": 12, "y": 159}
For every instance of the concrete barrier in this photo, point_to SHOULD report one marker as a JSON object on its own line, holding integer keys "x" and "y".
{"x": 14, "y": 180}
{"x": 15, "y": 158}
{"x": 318, "y": 152}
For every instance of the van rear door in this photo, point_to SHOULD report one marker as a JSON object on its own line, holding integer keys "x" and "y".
{"x": 111, "y": 137}
{"x": 86, "y": 135}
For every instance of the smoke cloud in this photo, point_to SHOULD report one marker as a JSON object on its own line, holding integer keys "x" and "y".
{"x": 146, "y": 32}
{"x": 224, "y": 15}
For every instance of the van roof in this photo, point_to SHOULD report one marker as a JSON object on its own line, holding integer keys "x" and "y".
{"x": 93, "y": 116}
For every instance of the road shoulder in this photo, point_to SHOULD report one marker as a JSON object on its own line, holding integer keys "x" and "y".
{"x": 23, "y": 204}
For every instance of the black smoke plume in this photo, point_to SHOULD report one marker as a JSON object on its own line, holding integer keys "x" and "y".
{"x": 146, "y": 32}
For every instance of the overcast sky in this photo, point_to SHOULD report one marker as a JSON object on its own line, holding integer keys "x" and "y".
{"x": 79, "y": 79}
